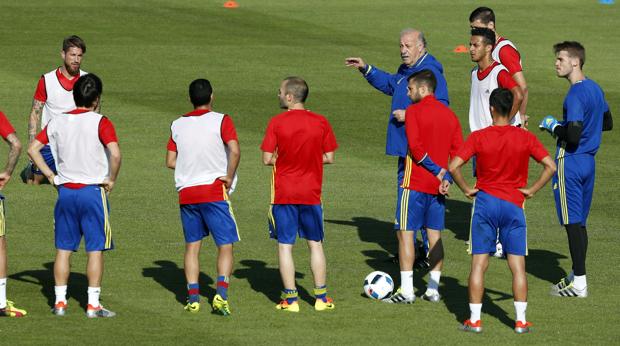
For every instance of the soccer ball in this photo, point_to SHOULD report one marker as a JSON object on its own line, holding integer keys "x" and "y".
{"x": 378, "y": 285}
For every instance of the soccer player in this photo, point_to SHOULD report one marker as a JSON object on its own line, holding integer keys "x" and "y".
{"x": 204, "y": 152}
{"x": 499, "y": 197}
{"x": 297, "y": 143}
{"x": 415, "y": 57}
{"x": 54, "y": 96}
{"x": 434, "y": 135}
{"x": 486, "y": 77}
{"x": 505, "y": 52}
{"x": 7, "y": 307}
{"x": 85, "y": 147}
{"x": 586, "y": 114}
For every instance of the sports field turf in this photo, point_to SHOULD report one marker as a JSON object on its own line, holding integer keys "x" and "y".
{"x": 147, "y": 52}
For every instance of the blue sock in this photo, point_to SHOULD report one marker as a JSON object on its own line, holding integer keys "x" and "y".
{"x": 222, "y": 286}
{"x": 320, "y": 292}
{"x": 289, "y": 295}
{"x": 193, "y": 291}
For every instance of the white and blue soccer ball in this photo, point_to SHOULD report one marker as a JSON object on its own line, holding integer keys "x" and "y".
{"x": 378, "y": 285}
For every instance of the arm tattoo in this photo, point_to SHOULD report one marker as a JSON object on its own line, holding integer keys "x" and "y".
{"x": 35, "y": 118}
{"x": 14, "y": 151}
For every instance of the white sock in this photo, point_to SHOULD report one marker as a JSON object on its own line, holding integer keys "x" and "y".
{"x": 93, "y": 296}
{"x": 2, "y": 293}
{"x": 475, "y": 312}
{"x": 61, "y": 294}
{"x": 520, "y": 308}
{"x": 571, "y": 276}
{"x": 406, "y": 283}
{"x": 433, "y": 282}
{"x": 580, "y": 282}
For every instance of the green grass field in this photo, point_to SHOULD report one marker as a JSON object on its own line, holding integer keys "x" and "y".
{"x": 147, "y": 52}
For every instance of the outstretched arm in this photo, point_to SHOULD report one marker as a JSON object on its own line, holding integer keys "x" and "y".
{"x": 379, "y": 79}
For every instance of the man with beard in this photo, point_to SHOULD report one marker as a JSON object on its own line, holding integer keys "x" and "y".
{"x": 54, "y": 96}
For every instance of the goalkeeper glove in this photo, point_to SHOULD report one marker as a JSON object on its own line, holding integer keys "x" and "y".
{"x": 549, "y": 123}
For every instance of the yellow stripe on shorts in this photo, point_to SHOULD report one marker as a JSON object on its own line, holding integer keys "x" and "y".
{"x": 106, "y": 220}
{"x": 272, "y": 221}
{"x": 471, "y": 218}
{"x": 232, "y": 214}
{"x": 404, "y": 206}
{"x": 2, "y": 219}
{"x": 562, "y": 187}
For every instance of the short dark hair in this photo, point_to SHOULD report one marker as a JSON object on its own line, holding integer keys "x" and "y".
{"x": 501, "y": 100}
{"x": 483, "y": 14}
{"x": 574, "y": 50}
{"x": 73, "y": 41}
{"x": 297, "y": 87}
{"x": 200, "y": 92}
{"x": 488, "y": 36}
{"x": 86, "y": 90}
{"x": 426, "y": 77}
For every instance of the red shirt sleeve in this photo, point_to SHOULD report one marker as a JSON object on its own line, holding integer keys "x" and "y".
{"x": 329, "y": 139}
{"x": 172, "y": 145}
{"x": 537, "y": 150}
{"x": 107, "y": 134}
{"x": 468, "y": 149}
{"x": 457, "y": 139}
{"x": 510, "y": 58}
{"x": 414, "y": 138}
{"x": 41, "y": 94}
{"x": 42, "y": 136}
{"x": 5, "y": 126}
{"x": 505, "y": 80}
{"x": 270, "y": 141}
{"x": 228, "y": 131}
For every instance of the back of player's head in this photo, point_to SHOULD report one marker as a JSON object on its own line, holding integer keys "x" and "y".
{"x": 488, "y": 36}
{"x": 73, "y": 41}
{"x": 574, "y": 50}
{"x": 87, "y": 90}
{"x": 483, "y": 14}
{"x": 424, "y": 77}
{"x": 501, "y": 101}
{"x": 200, "y": 92}
{"x": 296, "y": 87}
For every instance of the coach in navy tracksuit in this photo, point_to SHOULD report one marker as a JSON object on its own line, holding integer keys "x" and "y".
{"x": 415, "y": 58}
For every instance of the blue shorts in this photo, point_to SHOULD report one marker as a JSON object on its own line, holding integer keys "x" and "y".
{"x": 573, "y": 185}
{"x": 399, "y": 195}
{"x": 286, "y": 221}
{"x": 216, "y": 218}
{"x": 46, "y": 152}
{"x": 82, "y": 212}
{"x": 419, "y": 210}
{"x": 491, "y": 215}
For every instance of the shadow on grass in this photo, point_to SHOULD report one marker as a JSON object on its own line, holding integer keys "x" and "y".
{"x": 545, "y": 265}
{"x": 77, "y": 287}
{"x": 172, "y": 277}
{"x": 458, "y": 215}
{"x": 456, "y": 299}
{"x": 266, "y": 280}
